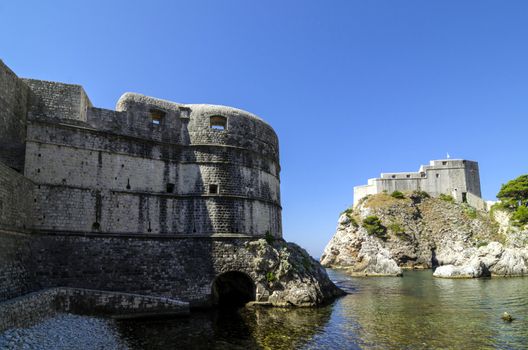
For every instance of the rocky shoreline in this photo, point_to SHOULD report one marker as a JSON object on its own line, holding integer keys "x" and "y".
{"x": 384, "y": 235}
{"x": 290, "y": 275}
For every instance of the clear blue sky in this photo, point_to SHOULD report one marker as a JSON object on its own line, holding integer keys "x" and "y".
{"x": 352, "y": 88}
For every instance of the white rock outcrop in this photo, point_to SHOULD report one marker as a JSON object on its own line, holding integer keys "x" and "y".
{"x": 423, "y": 232}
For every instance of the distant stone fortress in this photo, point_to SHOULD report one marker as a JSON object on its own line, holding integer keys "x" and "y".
{"x": 456, "y": 177}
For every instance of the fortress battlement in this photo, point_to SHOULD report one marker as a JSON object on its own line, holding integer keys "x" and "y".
{"x": 456, "y": 177}
{"x": 150, "y": 167}
{"x": 155, "y": 197}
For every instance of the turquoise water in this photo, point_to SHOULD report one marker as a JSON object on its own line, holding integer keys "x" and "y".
{"x": 412, "y": 312}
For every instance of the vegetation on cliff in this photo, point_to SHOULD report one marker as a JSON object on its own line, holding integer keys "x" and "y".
{"x": 415, "y": 230}
{"x": 514, "y": 198}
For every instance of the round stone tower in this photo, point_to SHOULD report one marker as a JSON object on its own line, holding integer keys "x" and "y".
{"x": 223, "y": 173}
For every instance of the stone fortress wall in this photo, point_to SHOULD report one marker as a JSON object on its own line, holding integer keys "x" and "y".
{"x": 154, "y": 198}
{"x": 456, "y": 177}
{"x": 150, "y": 167}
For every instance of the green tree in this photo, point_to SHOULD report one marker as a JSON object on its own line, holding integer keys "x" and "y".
{"x": 515, "y": 192}
{"x": 520, "y": 216}
{"x": 374, "y": 227}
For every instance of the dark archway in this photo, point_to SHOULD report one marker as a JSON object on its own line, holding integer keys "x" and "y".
{"x": 233, "y": 289}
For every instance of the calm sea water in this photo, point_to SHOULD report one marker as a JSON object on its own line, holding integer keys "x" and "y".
{"x": 416, "y": 311}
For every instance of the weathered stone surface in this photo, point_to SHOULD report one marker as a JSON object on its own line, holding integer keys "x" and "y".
{"x": 155, "y": 198}
{"x": 472, "y": 269}
{"x": 296, "y": 279}
{"x": 458, "y": 178}
{"x": 353, "y": 249}
{"x": 490, "y": 260}
{"x": 14, "y": 96}
{"x": 425, "y": 233}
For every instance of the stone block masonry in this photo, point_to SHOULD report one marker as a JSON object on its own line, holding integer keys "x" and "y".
{"x": 130, "y": 172}
{"x": 150, "y": 204}
{"x": 14, "y": 96}
{"x": 456, "y": 177}
{"x": 18, "y": 273}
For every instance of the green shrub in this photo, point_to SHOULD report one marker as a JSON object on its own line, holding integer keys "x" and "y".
{"x": 374, "y": 227}
{"x": 482, "y": 244}
{"x": 418, "y": 196}
{"x": 498, "y": 206}
{"x": 306, "y": 263}
{"x": 396, "y": 228}
{"x": 470, "y": 212}
{"x": 421, "y": 194}
{"x": 446, "y": 197}
{"x": 397, "y": 195}
{"x": 348, "y": 212}
{"x": 350, "y": 215}
{"x": 270, "y": 277}
{"x": 398, "y": 231}
{"x": 269, "y": 238}
{"x": 364, "y": 199}
{"x": 507, "y": 205}
{"x": 520, "y": 216}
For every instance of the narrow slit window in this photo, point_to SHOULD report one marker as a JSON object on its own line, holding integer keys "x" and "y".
{"x": 213, "y": 189}
{"x": 218, "y": 122}
{"x": 156, "y": 116}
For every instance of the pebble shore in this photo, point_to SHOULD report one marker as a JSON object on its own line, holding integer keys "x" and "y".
{"x": 64, "y": 331}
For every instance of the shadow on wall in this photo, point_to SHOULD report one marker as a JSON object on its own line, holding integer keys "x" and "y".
{"x": 232, "y": 289}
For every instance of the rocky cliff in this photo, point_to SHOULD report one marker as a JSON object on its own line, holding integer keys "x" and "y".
{"x": 290, "y": 275}
{"x": 383, "y": 235}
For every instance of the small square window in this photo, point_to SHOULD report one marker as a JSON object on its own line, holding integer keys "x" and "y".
{"x": 218, "y": 122}
{"x": 393, "y": 176}
{"x": 156, "y": 116}
{"x": 437, "y": 175}
{"x": 408, "y": 176}
{"x": 444, "y": 163}
{"x": 213, "y": 189}
{"x": 170, "y": 188}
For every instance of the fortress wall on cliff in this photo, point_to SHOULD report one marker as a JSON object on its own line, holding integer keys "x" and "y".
{"x": 156, "y": 179}
{"x": 456, "y": 177}
{"x": 155, "y": 198}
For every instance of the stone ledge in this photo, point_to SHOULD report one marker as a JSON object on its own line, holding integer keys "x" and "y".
{"x": 33, "y": 307}
{"x": 139, "y": 235}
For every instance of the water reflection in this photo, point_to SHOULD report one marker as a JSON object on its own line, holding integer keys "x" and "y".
{"x": 420, "y": 312}
{"x": 413, "y": 312}
{"x": 258, "y": 328}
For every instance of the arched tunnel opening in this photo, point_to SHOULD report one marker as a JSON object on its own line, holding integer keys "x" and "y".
{"x": 232, "y": 290}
